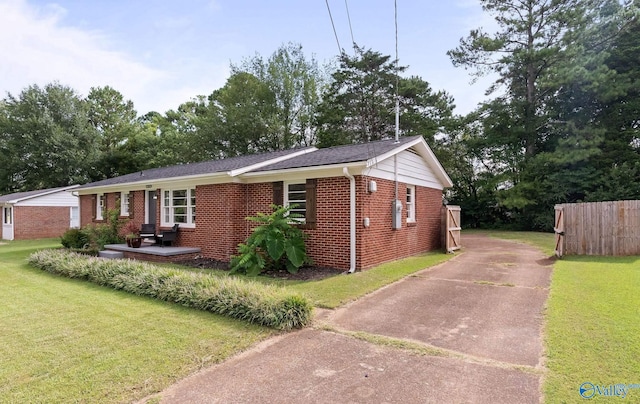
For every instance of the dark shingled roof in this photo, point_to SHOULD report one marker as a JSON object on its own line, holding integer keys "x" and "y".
{"x": 339, "y": 155}
{"x": 182, "y": 170}
{"x": 322, "y": 157}
{"x": 27, "y": 194}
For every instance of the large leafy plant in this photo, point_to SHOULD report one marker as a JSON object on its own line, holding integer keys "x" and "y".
{"x": 275, "y": 244}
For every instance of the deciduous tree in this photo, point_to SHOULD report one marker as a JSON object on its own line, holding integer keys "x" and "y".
{"x": 45, "y": 139}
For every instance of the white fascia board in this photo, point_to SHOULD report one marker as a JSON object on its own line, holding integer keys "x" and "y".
{"x": 425, "y": 151}
{"x": 334, "y": 170}
{"x": 201, "y": 179}
{"x": 53, "y": 191}
{"x": 385, "y": 175}
{"x": 421, "y": 146}
{"x": 374, "y": 160}
{"x": 239, "y": 171}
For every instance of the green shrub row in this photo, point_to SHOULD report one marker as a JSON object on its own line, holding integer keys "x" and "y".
{"x": 250, "y": 301}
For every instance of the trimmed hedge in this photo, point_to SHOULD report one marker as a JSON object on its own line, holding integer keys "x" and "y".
{"x": 250, "y": 301}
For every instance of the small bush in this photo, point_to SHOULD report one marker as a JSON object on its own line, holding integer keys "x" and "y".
{"x": 92, "y": 252}
{"x": 129, "y": 230}
{"x": 250, "y": 301}
{"x": 74, "y": 238}
{"x": 275, "y": 244}
{"x": 101, "y": 234}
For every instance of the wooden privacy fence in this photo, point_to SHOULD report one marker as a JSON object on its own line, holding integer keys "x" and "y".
{"x": 451, "y": 227}
{"x": 598, "y": 228}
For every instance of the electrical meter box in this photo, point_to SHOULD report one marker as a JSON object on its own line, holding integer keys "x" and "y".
{"x": 396, "y": 214}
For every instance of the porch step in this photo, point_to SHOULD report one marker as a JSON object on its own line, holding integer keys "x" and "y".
{"x": 110, "y": 254}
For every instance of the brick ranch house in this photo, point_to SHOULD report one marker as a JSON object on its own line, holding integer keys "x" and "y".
{"x": 39, "y": 214}
{"x": 347, "y": 195}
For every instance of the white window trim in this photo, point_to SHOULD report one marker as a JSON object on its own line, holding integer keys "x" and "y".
{"x": 190, "y": 223}
{"x": 411, "y": 205}
{"x": 100, "y": 206}
{"x": 124, "y": 203}
{"x": 285, "y": 198}
{"x": 8, "y": 209}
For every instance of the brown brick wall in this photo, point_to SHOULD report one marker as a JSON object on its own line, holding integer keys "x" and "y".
{"x": 328, "y": 244}
{"x": 379, "y": 242}
{"x": 32, "y": 222}
{"x": 136, "y": 210}
{"x": 112, "y": 200}
{"x": 86, "y": 209}
{"x": 221, "y": 210}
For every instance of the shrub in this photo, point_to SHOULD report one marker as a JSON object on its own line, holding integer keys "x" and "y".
{"x": 93, "y": 252}
{"x": 129, "y": 230}
{"x": 275, "y": 244}
{"x": 256, "y": 303}
{"x": 98, "y": 235}
{"x": 74, "y": 238}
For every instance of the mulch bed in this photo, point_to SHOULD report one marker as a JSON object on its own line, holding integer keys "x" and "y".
{"x": 306, "y": 273}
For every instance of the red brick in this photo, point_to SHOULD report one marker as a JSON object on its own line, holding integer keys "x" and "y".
{"x": 222, "y": 209}
{"x": 32, "y": 222}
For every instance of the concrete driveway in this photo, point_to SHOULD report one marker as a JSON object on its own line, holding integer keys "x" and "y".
{"x": 466, "y": 331}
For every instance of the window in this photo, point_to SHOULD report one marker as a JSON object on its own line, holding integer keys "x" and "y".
{"x": 75, "y": 217}
{"x": 8, "y": 215}
{"x": 100, "y": 204}
{"x": 301, "y": 194}
{"x": 411, "y": 203}
{"x": 296, "y": 194}
{"x": 179, "y": 206}
{"x": 124, "y": 204}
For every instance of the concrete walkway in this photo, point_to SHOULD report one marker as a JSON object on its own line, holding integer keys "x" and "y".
{"x": 466, "y": 331}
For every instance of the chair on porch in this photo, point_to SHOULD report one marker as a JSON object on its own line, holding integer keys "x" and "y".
{"x": 168, "y": 235}
{"x": 148, "y": 230}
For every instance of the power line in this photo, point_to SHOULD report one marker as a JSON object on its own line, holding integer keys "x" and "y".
{"x": 353, "y": 41}
{"x": 334, "y": 27}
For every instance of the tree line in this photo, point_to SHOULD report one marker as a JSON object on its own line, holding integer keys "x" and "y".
{"x": 51, "y": 136}
{"x": 562, "y": 125}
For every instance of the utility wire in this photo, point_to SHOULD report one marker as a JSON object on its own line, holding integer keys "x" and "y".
{"x": 334, "y": 28}
{"x": 353, "y": 41}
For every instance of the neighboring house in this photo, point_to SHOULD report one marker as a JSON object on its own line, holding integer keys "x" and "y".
{"x": 346, "y": 194}
{"x": 39, "y": 214}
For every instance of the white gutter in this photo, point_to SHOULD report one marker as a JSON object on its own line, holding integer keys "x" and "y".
{"x": 352, "y": 219}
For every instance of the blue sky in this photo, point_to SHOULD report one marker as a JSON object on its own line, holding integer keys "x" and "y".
{"x": 160, "y": 54}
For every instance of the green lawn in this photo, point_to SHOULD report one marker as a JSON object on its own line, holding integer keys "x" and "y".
{"x": 593, "y": 326}
{"x": 66, "y": 340}
{"x": 335, "y": 291}
{"x": 592, "y": 322}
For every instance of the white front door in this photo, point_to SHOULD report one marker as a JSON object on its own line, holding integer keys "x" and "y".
{"x": 7, "y": 222}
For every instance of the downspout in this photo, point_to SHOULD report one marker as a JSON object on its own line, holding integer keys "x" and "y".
{"x": 352, "y": 219}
